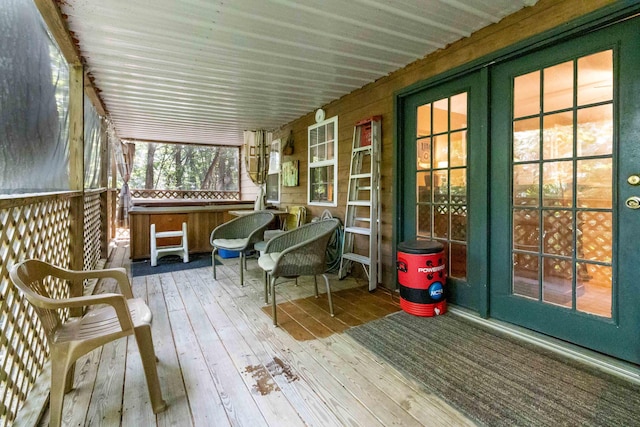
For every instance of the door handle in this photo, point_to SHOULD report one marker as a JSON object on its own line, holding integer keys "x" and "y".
{"x": 633, "y": 202}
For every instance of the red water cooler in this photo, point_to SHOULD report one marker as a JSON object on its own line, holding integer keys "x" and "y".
{"x": 422, "y": 275}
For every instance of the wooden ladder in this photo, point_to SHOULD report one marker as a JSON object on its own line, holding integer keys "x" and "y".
{"x": 361, "y": 242}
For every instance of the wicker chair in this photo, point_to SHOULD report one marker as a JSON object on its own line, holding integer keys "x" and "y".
{"x": 121, "y": 315}
{"x": 239, "y": 235}
{"x": 299, "y": 252}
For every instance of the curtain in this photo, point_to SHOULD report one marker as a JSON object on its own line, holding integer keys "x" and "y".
{"x": 124, "y": 154}
{"x": 257, "y": 145}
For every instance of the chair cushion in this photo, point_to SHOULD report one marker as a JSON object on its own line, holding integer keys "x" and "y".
{"x": 260, "y": 246}
{"x": 268, "y": 261}
{"x": 231, "y": 244}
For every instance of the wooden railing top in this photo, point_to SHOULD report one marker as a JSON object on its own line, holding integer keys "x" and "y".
{"x": 14, "y": 200}
{"x": 185, "y": 194}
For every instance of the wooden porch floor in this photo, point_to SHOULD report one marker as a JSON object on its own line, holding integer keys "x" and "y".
{"x": 223, "y": 363}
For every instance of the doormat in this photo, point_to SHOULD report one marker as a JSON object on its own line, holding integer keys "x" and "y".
{"x": 309, "y": 318}
{"x": 496, "y": 380}
{"x": 171, "y": 263}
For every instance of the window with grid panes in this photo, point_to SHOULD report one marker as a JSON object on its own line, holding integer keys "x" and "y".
{"x": 323, "y": 163}
{"x": 273, "y": 176}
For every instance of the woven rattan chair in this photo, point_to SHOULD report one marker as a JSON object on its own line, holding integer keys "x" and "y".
{"x": 122, "y": 315}
{"x": 299, "y": 252}
{"x": 239, "y": 235}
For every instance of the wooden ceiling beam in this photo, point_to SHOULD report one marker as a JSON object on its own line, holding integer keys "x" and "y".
{"x": 58, "y": 27}
{"x": 69, "y": 47}
{"x": 92, "y": 92}
{"x": 152, "y": 141}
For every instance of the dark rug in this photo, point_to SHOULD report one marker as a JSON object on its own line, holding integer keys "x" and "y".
{"x": 496, "y": 380}
{"x": 171, "y": 263}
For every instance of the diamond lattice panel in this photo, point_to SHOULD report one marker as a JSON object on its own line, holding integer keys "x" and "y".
{"x": 38, "y": 230}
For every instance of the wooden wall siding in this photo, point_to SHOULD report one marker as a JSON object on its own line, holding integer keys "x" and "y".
{"x": 378, "y": 99}
{"x": 29, "y": 229}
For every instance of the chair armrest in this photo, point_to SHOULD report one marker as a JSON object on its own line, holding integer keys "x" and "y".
{"x": 119, "y": 274}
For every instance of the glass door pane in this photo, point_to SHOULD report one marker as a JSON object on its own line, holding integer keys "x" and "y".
{"x": 562, "y": 177}
{"x": 441, "y": 178}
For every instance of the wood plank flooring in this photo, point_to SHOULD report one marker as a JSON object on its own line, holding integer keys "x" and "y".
{"x": 222, "y": 363}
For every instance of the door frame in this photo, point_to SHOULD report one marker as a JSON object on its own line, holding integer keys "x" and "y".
{"x": 587, "y": 23}
{"x": 602, "y": 334}
{"x": 469, "y": 292}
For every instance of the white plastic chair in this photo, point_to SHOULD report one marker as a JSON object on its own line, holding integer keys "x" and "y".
{"x": 68, "y": 340}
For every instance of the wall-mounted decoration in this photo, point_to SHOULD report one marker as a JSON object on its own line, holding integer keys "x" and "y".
{"x": 290, "y": 173}
{"x": 287, "y": 149}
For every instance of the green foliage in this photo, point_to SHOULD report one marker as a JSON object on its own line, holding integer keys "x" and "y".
{"x": 187, "y": 167}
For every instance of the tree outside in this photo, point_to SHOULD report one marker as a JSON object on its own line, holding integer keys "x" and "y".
{"x": 185, "y": 167}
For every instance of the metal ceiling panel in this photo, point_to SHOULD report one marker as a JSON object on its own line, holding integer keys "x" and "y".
{"x": 203, "y": 71}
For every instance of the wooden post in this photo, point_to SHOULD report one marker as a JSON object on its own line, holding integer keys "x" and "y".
{"x": 76, "y": 170}
{"x": 114, "y": 193}
{"x": 76, "y": 182}
{"x": 104, "y": 196}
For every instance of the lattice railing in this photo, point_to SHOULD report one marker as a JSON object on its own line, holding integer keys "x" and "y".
{"x": 594, "y": 241}
{"x": 36, "y": 227}
{"x": 185, "y": 194}
{"x": 92, "y": 230}
{"x": 449, "y": 220}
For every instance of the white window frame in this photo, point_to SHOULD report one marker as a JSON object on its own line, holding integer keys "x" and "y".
{"x": 312, "y": 164}
{"x": 275, "y": 168}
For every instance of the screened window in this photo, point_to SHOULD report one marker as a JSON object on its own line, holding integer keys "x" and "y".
{"x": 93, "y": 137}
{"x": 185, "y": 167}
{"x": 273, "y": 176}
{"x": 323, "y": 162}
{"x": 34, "y": 104}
